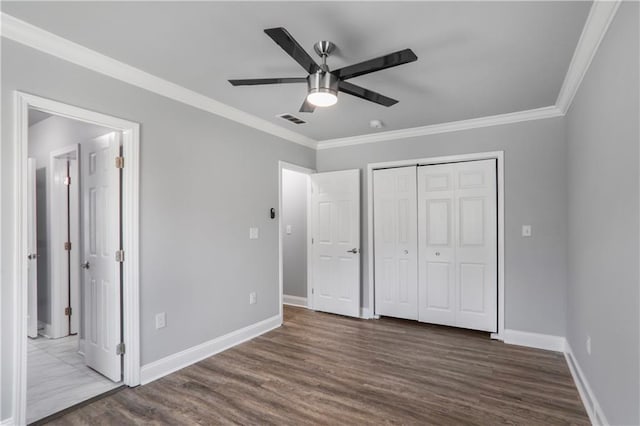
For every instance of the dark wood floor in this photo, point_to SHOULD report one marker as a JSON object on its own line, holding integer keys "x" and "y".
{"x": 326, "y": 369}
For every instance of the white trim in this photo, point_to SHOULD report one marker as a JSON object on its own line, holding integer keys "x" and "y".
{"x": 81, "y": 345}
{"x": 182, "y": 359}
{"x": 131, "y": 311}
{"x": 39, "y": 39}
{"x": 499, "y": 157}
{"x": 7, "y": 422}
{"x": 367, "y": 313}
{"x": 534, "y": 340}
{"x": 57, "y": 258}
{"x": 454, "y": 126}
{"x": 283, "y": 165}
{"x": 600, "y": 16}
{"x": 309, "y": 243}
{"x": 591, "y": 404}
{"x": 294, "y": 300}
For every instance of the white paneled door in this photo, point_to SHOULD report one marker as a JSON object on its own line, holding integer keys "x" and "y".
{"x": 336, "y": 242}
{"x": 101, "y": 280}
{"x": 457, "y": 233}
{"x": 395, "y": 242}
{"x": 32, "y": 257}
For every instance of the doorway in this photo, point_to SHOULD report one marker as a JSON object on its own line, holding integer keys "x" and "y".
{"x": 294, "y": 234}
{"x": 332, "y": 257}
{"x": 75, "y": 201}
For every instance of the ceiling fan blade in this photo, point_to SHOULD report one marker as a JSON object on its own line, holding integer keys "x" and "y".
{"x": 307, "y": 106}
{"x": 372, "y": 65}
{"x": 291, "y": 46}
{"x": 366, "y": 94}
{"x": 256, "y": 81}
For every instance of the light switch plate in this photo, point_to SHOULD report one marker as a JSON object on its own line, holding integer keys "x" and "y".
{"x": 289, "y": 229}
{"x": 253, "y": 233}
{"x": 253, "y": 298}
{"x": 526, "y": 230}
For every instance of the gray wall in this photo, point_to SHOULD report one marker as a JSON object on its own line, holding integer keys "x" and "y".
{"x": 603, "y": 192}
{"x": 294, "y": 245}
{"x": 535, "y": 194}
{"x": 204, "y": 181}
{"x": 46, "y": 136}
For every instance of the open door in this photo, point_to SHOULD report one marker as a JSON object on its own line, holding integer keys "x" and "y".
{"x": 101, "y": 278}
{"x": 336, "y": 242}
{"x": 32, "y": 291}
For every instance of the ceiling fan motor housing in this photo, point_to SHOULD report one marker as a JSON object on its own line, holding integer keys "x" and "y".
{"x": 322, "y": 82}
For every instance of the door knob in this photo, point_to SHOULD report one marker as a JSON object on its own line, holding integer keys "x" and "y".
{"x": 32, "y": 256}
{"x": 406, "y": 252}
{"x": 85, "y": 265}
{"x": 353, "y": 250}
{"x": 437, "y": 253}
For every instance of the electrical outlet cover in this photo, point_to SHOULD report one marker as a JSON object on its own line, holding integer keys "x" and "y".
{"x": 161, "y": 320}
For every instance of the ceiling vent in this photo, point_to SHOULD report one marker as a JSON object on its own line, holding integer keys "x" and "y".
{"x": 292, "y": 118}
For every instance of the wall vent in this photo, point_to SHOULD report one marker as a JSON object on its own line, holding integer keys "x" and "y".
{"x": 292, "y": 118}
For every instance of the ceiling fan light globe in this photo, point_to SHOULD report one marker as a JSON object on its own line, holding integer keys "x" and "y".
{"x": 322, "y": 98}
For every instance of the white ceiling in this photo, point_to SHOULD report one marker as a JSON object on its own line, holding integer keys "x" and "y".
{"x": 475, "y": 59}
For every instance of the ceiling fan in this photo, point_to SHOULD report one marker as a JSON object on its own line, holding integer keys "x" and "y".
{"x": 323, "y": 84}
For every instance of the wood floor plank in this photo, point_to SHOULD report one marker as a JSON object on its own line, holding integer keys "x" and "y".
{"x": 327, "y": 369}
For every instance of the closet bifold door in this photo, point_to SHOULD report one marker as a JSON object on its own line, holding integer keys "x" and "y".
{"x": 457, "y": 233}
{"x": 395, "y": 242}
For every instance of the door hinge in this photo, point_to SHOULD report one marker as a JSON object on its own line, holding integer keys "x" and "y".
{"x": 67, "y": 180}
{"x": 120, "y": 256}
{"x": 313, "y": 291}
{"x": 120, "y": 348}
{"x": 119, "y": 162}
{"x": 67, "y": 246}
{"x": 312, "y": 241}
{"x": 67, "y": 311}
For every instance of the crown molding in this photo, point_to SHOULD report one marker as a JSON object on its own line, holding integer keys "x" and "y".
{"x": 453, "y": 126}
{"x": 44, "y": 41}
{"x": 596, "y": 26}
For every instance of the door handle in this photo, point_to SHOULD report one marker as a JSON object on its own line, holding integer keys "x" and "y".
{"x": 437, "y": 253}
{"x": 353, "y": 250}
{"x": 32, "y": 256}
{"x": 85, "y": 265}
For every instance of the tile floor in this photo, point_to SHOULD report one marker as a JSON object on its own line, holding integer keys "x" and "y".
{"x": 58, "y": 378}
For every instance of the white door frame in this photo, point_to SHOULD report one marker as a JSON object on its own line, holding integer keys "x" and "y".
{"x": 283, "y": 165}
{"x": 497, "y": 155}
{"x": 130, "y": 232}
{"x": 59, "y": 321}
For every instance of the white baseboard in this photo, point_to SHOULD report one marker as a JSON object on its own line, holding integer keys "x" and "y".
{"x": 535, "y": 340}
{"x": 367, "y": 313}
{"x": 81, "y": 343}
{"x": 294, "y": 300}
{"x": 7, "y": 422}
{"x": 594, "y": 411}
{"x": 177, "y": 361}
